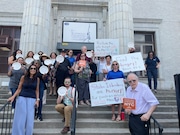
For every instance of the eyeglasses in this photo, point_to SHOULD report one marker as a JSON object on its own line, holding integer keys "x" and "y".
{"x": 33, "y": 68}
{"x": 114, "y": 64}
{"x": 70, "y": 52}
{"x": 82, "y": 55}
{"x": 132, "y": 81}
{"x": 67, "y": 82}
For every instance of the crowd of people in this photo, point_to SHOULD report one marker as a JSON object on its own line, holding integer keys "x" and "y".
{"x": 72, "y": 72}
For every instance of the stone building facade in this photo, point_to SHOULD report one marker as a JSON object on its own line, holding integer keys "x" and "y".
{"x": 38, "y": 25}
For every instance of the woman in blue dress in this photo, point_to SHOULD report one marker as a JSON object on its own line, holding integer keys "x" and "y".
{"x": 114, "y": 74}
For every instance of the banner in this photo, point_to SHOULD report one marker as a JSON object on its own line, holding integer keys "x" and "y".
{"x": 107, "y": 92}
{"x": 130, "y": 62}
{"x": 103, "y": 47}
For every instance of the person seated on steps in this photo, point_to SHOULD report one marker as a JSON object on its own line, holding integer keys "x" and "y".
{"x": 65, "y": 105}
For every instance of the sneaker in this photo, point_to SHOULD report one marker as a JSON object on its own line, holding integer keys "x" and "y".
{"x": 155, "y": 91}
{"x": 10, "y": 93}
{"x": 13, "y": 111}
{"x": 87, "y": 102}
{"x": 65, "y": 130}
{"x": 39, "y": 119}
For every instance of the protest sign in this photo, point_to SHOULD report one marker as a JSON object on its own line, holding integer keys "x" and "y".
{"x": 130, "y": 62}
{"x": 107, "y": 92}
{"x": 129, "y": 103}
{"x": 103, "y": 47}
{"x": 82, "y": 63}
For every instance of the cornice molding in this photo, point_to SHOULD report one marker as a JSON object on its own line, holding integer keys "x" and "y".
{"x": 147, "y": 20}
{"x": 98, "y": 3}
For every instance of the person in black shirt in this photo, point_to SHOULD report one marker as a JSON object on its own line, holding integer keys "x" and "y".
{"x": 152, "y": 64}
{"x": 62, "y": 70}
{"x": 93, "y": 68}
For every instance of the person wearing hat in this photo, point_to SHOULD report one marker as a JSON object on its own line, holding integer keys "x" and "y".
{"x": 43, "y": 57}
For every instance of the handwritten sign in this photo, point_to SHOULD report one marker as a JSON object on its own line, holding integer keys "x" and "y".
{"x": 103, "y": 47}
{"x": 129, "y": 103}
{"x": 130, "y": 62}
{"x": 107, "y": 92}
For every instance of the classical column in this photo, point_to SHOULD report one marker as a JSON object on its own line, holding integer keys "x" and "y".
{"x": 121, "y": 22}
{"x": 35, "y": 26}
{"x": 54, "y": 26}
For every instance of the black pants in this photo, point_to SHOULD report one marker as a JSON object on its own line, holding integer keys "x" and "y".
{"x": 138, "y": 127}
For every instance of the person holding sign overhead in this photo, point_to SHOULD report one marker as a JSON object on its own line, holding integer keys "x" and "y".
{"x": 114, "y": 74}
{"x": 146, "y": 103}
{"x": 66, "y": 94}
{"x": 83, "y": 71}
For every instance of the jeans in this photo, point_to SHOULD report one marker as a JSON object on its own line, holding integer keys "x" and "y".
{"x": 41, "y": 92}
{"x": 152, "y": 73}
{"x": 13, "y": 90}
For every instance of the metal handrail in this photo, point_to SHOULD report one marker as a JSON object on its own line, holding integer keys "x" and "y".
{"x": 73, "y": 119}
{"x": 157, "y": 128}
{"x": 6, "y": 112}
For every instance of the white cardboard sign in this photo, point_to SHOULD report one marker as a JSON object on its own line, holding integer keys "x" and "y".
{"x": 103, "y": 47}
{"x": 130, "y": 62}
{"x": 107, "y": 92}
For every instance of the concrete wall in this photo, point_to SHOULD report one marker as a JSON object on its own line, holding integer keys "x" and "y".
{"x": 163, "y": 17}
{"x": 11, "y": 12}
{"x": 160, "y": 16}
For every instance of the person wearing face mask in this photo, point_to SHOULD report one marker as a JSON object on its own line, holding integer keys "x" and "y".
{"x": 65, "y": 105}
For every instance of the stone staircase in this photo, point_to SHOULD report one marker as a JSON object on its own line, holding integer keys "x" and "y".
{"x": 97, "y": 120}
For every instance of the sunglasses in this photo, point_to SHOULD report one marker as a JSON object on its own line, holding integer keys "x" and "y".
{"x": 33, "y": 68}
{"x": 67, "y": 82}
{"x": 115, "y": 64}
{"x": 132, "y": 81}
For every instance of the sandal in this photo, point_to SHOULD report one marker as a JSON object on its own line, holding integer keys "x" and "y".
{"x": 81, "y": 103}
{"x": 113, "y": 117}
{"x": 118, "y": 118}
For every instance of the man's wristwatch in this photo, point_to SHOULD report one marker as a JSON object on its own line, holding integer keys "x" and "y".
{"x": 37, "y": 99}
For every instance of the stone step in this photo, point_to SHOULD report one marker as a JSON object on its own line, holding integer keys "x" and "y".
{"x": 99, "y": 131}
{"x": 97, "y": 120}
{"x": 105, "y": 114}
{"x": 93, "y": 123}
{"x": 163, "y": 108}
